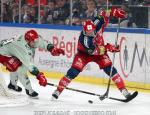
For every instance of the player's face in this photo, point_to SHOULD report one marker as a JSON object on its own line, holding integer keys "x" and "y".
{"x": 90, "y": 33}
{"x": 32, "y": 44}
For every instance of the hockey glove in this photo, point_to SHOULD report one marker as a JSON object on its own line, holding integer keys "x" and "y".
{"x": 42, "y": 79}
{"x": 118, "y": 13}
{"x": 11, "y": 63}
{"x": 112, "y": 48}
{"x": 57, "y": 51}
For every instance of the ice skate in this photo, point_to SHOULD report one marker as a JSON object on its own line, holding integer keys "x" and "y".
{"x": 14, "y": 87}
{"x": 125, "y": 93}
{"x": 55, "y": 95}
{"x": 32, "y": 94}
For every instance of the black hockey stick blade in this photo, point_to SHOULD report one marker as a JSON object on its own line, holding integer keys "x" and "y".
{"x": 126, "y": 100}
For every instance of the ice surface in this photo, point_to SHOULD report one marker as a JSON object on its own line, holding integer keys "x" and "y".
{"x": 74, "y": 103}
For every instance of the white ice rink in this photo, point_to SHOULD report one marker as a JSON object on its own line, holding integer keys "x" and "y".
{"x": 74, "y": 103}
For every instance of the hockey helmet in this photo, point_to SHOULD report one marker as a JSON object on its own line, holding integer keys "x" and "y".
{"x": 31, "y": 36}
{"x": 88, "y": 27}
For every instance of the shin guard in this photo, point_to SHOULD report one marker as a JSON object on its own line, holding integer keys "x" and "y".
{"x": 118, "y": 82}
{"x": 63, "y": 83}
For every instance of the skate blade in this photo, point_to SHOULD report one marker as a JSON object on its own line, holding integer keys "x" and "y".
{"x": 53, "y": 99}
{"x": 33, "y": 97}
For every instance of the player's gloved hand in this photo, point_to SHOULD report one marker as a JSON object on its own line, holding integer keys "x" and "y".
{"x": 112, "y": 48}
{"x": 42, "y": 79}
{"x": 57, "y": 51}
{"x": 11, "y": 63}
{"x": 118, "y": 13}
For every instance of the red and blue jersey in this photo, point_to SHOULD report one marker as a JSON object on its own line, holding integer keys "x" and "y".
{"x": 86, "y": 43}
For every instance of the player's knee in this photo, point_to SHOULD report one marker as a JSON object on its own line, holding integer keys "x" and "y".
{"x": 107, "y": 70}
{"x": 72, "y": 73}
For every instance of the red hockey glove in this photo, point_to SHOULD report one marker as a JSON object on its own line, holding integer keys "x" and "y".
{"x": 42, "y": 79}
{"x": 11, "y": 63}
{"x": 118, "y": 13}
{"x": 57, "y": 51}
{"x": 112, "y": 48}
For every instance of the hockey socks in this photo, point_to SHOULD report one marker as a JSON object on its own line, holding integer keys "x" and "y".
{"x": 118, "y": 81}
{"x": 120, "y": 85}
{"x": 61, "y": 86}
{"x": 63, "y": 83}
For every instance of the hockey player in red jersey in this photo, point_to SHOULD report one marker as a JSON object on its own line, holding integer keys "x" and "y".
{"x": 91, "y": 48}
{"x": 17, "y": 55}
{"x": 11, "y": 63}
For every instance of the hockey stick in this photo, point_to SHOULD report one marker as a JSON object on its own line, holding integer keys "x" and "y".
{"x": 105, "y": 95}
{"x": 72, "y": 89}
{"x": 94, "y": 94}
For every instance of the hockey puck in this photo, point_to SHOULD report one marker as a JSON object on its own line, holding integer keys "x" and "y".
{"x": 90, "y": 101}
{"x": 101, "y": 98}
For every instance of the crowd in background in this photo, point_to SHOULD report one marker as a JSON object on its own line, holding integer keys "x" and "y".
{"x": 58, "y": 11}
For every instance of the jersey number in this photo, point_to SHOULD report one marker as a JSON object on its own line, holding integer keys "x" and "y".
{"x": 4, "y": 42}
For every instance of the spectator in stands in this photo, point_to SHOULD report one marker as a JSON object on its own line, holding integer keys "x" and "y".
{"x": 146, "y": 3}
{"x": 49, "y": 12}
{"x": 78, "y": 7}
{"x": 91, "y": 10}
{"x": 119, "y": 2}
{"x": 101, "y": 3}
{"x": 33, "y": 15}
{"x": 15, "y": 13}
{"x": 61, "y": 12}
{"x": 7, "y": 13}
{"x": 129, "y": 21}
{"x": 26, "y": 14}
{"x": 130, "y": 2}
{"x": 137, "y": 2}
{"x": 76, "y": 21}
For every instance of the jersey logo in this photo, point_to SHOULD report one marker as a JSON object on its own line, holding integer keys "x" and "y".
{"x": 89, "y": 27}
{"x": 4, "y": 42}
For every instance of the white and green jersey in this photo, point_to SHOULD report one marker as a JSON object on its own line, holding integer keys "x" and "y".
{"x": 20, "y": 49}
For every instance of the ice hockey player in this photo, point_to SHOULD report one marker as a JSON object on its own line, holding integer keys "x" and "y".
{"x": 17, "y": 55}
{"x": 91, "y": 48}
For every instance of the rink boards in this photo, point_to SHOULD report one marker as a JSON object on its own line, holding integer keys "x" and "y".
{"x": 133, "y": 61}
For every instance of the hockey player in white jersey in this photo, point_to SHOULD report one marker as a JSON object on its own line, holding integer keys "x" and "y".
{"x": 17, "y": 55}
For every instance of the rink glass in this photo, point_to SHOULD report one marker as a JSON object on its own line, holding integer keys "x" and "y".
{"x": 45, "y": 12}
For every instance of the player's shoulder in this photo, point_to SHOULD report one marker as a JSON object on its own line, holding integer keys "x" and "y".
{"x": 99, "y": 17}
{"x": 82, "y": 34}
{"x": 98, "y": 20}
{"x": 41, "y": 39}
{"x": 20, "y": 41}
